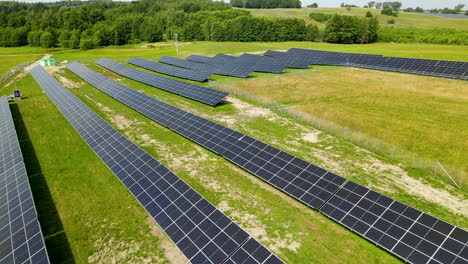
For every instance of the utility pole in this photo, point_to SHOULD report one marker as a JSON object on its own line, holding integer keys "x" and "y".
{"x": 177, "y": 44}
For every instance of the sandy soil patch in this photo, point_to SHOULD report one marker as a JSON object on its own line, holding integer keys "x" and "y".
{"x": 171, "y": 252}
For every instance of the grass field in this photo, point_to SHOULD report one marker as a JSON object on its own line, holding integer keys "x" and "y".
{"x": 422, "y": 114}
{"x": 403, "y": 19}
{"x": 87, "y": 215}
{"x": 8, "y": 62}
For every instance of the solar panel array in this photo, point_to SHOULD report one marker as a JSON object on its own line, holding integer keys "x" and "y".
{"x": 314, "y": 186}
{"x": 170, "y": 70}
{"x": 299, "y": 178}
{"x": 189, "y": 64}
{"x": 403, "y": 230}
{"x": 21, "y": 239}
{"x": 200, "y": 231}
{"x": 192, "y": 91}
{"x": 227, "y": 69}
{"x": 437, "y": 68}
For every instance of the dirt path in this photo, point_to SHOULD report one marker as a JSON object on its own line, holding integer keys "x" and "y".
{"x": 26, "y": 69}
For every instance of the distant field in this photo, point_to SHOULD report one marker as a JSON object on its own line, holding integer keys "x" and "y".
{"x": 422, "y": 114}
{"x": 403, "y": 19}
{"x": 89, "y": 217}
{"x": 8, "y": 62}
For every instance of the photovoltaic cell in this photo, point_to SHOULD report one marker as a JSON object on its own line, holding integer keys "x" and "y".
{"x": 170, "y": 70}
{"x": 403, "y": 230}
{"x": 192, "y": 91}
{"x": 200, "y": 231}
{"x": 21, "y": 239}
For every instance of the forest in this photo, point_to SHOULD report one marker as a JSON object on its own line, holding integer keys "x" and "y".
{"x": 88, "y": 25}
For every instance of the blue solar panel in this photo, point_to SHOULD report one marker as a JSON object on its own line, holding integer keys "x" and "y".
{"x": 196, "y": 92}
{"x": 170, "y": 70}
{"x": 21, "y": 239}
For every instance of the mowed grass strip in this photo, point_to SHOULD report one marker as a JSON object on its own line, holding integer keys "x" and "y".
{"x": 403, "y": 19}
{"x": 86, "y": 214}
{"x": 422, "y": 114}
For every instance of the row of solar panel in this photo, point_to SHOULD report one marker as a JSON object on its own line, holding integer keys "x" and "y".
{"x": 437, "y": 68}
{"x": 304, "y": 181}
{"x": 21, "y": 239}
{"x": 200, "y": 231}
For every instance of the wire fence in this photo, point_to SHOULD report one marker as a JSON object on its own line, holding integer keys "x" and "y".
{"x": 406, "y": 157}
{"x": 14, "y": 70}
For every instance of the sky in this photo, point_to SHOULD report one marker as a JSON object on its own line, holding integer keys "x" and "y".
{"x": 426, "y": 4}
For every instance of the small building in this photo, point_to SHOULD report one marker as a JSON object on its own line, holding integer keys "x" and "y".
{"x": 47, "y": 62}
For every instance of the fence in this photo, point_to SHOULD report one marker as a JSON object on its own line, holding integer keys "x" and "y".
{"x": 400, "y": 155}
{"x": 14, "y": 71}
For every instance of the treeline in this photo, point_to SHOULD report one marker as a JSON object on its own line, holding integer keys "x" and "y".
{"x": 86, "y": 26}
{"x": 266, "y": 3}
{"x": 418, "y": 35}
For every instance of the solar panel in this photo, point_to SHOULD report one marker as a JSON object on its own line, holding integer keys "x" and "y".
{"x": 188, "y": 64}
{"x": 227, "y": 69}
{"x": 192, "y": 91}
{"x": 202, "y": 59}
{"x": 291, "y": 60}
{"x": 437, "y": 68}
{"x": 202, "y": 232}
{"x": 170, "y": 70}
{"x": 21, "y": 239}
{"x": 403, "y": 230}
{"x": 302, "y": 180}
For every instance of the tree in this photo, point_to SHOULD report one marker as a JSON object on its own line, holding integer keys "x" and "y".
{"x": 87, "y": 41}
{"x": 75, "y": 40}
{"x": 34, "y": 38}
{"x": 459, "y": 7}
{"x": 378, "y": 5}
{"x": 389, "y": 12}
{"x": 314, "y": 5}
{"x": 419, "y": 9}
{"x": 311, "y": 32}
{"x": 351, "y": 29}
{"x": 435, "y": 10}
{"x": 47, "y": 40}
{"x": 369, "y": 14}
{"x": 371, "y": 4}
{"x": 64, "y": 38}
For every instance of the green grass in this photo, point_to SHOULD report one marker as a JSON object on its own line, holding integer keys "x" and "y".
{"x": 9, "y": 62}
{"x": 87, "y": 198}
{"x": 403, "y": 19}
{"x": 421, "y": 114}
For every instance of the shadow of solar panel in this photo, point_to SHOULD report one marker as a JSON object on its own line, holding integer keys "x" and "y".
{"x": 192, "y": 91}
{"x": 200, "y": 231}
{"x": 170, "y": 70}
{"x": 445, "y": 69}
{"x": 21, "y": 239}
{"x": 405, "y": 231}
